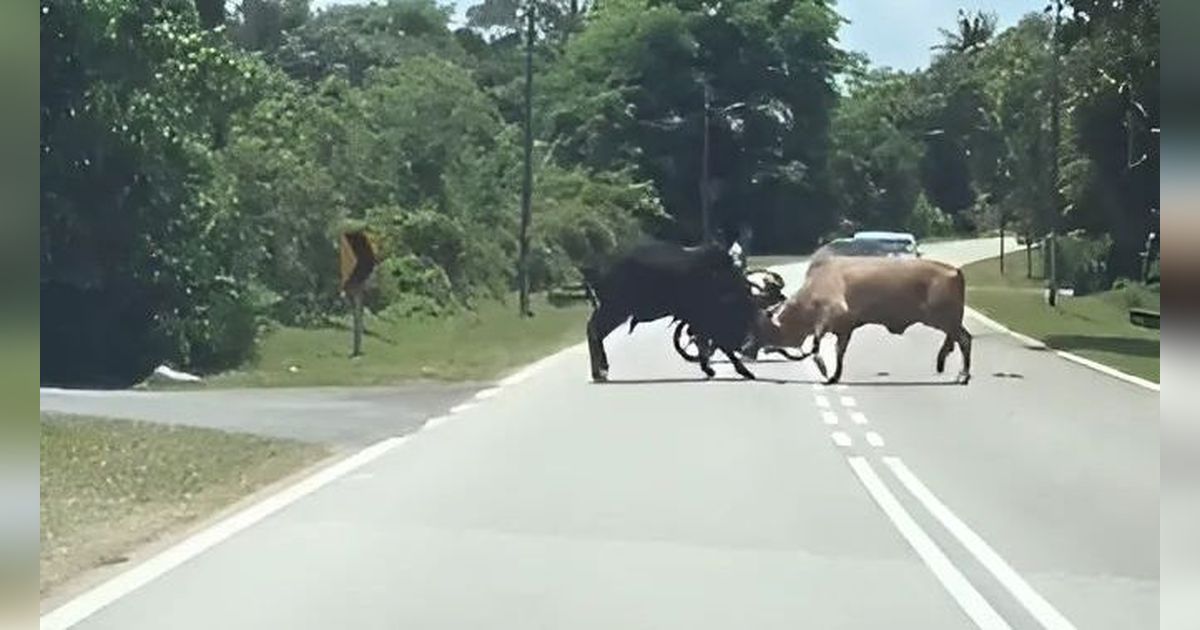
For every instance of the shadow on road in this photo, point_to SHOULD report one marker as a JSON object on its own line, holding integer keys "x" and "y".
{"x": 701, "y": 379}
{"x": 1120, "y": 345}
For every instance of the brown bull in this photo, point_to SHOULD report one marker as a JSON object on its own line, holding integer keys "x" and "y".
{"x": 840, "y": 294}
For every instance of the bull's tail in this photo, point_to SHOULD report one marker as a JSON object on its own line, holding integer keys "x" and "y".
{"x": 590, "y": 278}
{"x": 960, "y": 292}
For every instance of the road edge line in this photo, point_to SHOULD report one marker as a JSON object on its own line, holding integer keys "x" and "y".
{"x": 1042, "y": 610}
{"x": 956, "y": 584}
{"x": 1074, "y": 358}
{"x": 95, "y": 599}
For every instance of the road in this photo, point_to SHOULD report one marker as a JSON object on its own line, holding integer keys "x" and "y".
{"x": 343, "y": 418}
{"x": 1027, "y": 499}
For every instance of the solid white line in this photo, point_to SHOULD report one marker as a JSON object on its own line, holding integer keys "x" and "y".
{"x": 858, "y": 417}
{"x": 1113, "y": 372}
{"x": 840, "y": 438}
{"x": 969, "y": 599}
{"x": 1025, "y": 339}
{"x": 874, "y": 439}
{"x": 848, "y": 401}
{"x": 822, "y": 401}
{"x": 462, "y": 407}
{"x": 829, "y": 417}
{"x": 1041, "y": 609}
{"x": 485, "y": 394}
{"x": 1034, "y": 343}
{"x": 91, "y": 601}
{"x": 434, "y": 423}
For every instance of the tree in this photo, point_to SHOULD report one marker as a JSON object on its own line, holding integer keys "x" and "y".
{"x": 973, "y": 32}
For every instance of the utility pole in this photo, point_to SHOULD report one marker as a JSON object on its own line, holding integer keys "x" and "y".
{"x": 705, "y": 228}
{"x": 1055, "y": 133}
{"x": 527, "y": 185}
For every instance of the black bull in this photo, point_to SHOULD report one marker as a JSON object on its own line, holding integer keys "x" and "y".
{"x": 699, "y": 286}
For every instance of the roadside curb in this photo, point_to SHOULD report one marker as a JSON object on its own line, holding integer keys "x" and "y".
{"x": 1036, "y": 344}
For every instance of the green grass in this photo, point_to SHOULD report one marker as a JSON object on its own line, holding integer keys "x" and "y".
{"x": 108, "y": 486}
{"x": 478, "y": 345}
{"x": 1094, "y": 326}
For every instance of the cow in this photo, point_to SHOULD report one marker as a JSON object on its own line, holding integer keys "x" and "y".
{"x": 841, "y": 294}
{"x": 699, "y": 286}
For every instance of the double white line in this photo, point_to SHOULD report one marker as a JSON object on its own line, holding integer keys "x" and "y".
{"x": 967, "y": 596}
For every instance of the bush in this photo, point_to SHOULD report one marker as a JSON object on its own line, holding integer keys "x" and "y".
{"x": 406, "y": 285}
{"x": 928, "y": 220}
{"x": 1081, "y": 263}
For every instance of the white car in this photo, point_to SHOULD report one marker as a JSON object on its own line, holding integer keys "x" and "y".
{"x": 892, "y": 244}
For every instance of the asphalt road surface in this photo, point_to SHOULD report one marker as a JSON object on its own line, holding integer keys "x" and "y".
{"x": 1027, "y": 499}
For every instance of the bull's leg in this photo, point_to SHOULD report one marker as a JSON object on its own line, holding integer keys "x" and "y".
{"x": 738, "y": 365}
{"x": 602, "y": 322}
{"x": 706, "y": 352}
{"x": 944, "y": 351}
{"x": 964, "y": 344}
{"x": 843, "y": 340}
{"x": 816, "y": 353}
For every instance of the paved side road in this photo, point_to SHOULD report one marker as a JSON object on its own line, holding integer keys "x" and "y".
{"x": 344, "y": 418}
{"x": 662, "y": 500}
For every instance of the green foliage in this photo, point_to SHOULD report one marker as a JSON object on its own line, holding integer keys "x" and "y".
{"x": 1082, "y": 263}
{"x": 197, "y": 166}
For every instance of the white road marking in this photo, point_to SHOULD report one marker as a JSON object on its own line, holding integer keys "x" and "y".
{"x": 969, "y": 599}
{"x": 1041, "y": 609}
{"x": 818, "y": 387}
{"x": 829, "y": 417}
{"x": 848, "y": 401}
{"x": 842, "y": 439}
{"x": 462, "y": 407}
{"x": 874, "y": 439}
{"x": 485, "y": 394}
{"x": 1115, "y": 373}
{"x": 858, "y": 417}
{"x": 92, "y": 601}
{"x": 841, "y": 387}
{"x": 822, "y": 401}
{"x": 434, "y": 423}
{"x": 1034, "y": 343}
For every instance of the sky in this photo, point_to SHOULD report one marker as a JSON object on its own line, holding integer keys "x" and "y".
{"x": 896, "y": 33}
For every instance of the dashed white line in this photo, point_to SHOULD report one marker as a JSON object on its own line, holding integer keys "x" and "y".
{"x": 969, "y": 599}
{"x": 874, "y": 439}
{"x": 92, "y": 601}
{"x": 841, "y": 387}
{"x": 461, "y": 407}
{"x": 818, "y": 387}
{"x": 822, "y": 402}
{"x": 1037, "y": 606}
{"x": 829, "y": 417}
{"x": 858, "y": 417}
{"x": 841, "y": 438}
{"x": 848, "y": 401}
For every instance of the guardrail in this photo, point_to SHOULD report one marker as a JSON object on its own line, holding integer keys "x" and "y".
{"x": 1144, "y": 318}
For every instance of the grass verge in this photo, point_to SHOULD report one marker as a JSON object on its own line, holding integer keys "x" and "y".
{"x": 1094, "y": 326}
{"x": 477, "y": 345}
{"x": 109, "y": 486}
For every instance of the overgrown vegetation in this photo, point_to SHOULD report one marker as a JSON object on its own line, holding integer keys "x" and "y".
{"x": 1095, "y": 325}
{"x": 199, "y": 157}
{"x": 108, "y": 486}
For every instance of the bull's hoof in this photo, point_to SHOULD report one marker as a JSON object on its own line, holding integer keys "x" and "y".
{"x": 600, "y": 376}
{"x": 708, "y": 372}
{"x": 964, "y": 379}
{"x": 748, "y": 375}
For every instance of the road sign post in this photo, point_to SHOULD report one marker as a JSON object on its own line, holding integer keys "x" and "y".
{"x": 357, "y": 262}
